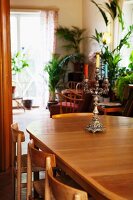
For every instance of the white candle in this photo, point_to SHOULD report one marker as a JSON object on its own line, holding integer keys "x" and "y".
{"x": 97, "y": 60}
{"x": 106, "y": 71}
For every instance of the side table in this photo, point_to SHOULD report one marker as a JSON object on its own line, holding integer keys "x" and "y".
{"x": 110, "y": 107}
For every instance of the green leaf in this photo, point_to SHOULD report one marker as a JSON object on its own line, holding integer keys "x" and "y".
{"x": 102, "y": 12}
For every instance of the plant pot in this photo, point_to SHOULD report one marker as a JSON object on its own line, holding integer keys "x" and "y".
{"x": 13, "y": 91}
{"x": 27, "y": 104}
{"x": 51, "y": 103}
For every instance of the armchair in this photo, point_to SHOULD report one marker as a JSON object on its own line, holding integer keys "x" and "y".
{"x": 72, "y": 102}
{"x": 67, "y": 103}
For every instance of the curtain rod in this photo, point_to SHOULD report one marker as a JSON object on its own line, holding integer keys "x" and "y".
{"x": 27, "y": 8}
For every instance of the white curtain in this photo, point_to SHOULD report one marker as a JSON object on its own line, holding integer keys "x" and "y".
{"x": 49, "y": 25}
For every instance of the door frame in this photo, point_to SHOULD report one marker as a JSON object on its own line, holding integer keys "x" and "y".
{"x": 5, "y": 87}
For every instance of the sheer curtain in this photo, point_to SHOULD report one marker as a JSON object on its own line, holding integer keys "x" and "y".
{"x": 49, "y": 24}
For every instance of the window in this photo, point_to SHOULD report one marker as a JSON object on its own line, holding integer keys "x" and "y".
{"x": 128, "y": 19}
{"x": 33, "y": 33}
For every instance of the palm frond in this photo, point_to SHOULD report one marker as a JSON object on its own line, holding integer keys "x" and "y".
{"x": 102, "y": 12}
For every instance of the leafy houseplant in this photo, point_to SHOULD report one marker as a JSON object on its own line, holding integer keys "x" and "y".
{"x": 19, "y": 61}
{"x": 73, "y": 37}
{"x": 112, "y": 57}
{"x": 121, "y": 83}
{"x": 113, "y": 9}
{"x": 55, "y": 70}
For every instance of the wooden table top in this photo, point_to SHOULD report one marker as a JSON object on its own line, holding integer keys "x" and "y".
{"x": 101, "y": 163}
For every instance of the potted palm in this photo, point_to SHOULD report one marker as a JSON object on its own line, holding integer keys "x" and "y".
{"x": 56, "y": 70}
{"x": 73, "y": 37}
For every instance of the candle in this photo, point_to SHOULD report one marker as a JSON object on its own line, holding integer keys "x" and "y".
{"x": 97, "y": 60}
{"x": 106, "y": 71}
{"x": 86, "y": 71}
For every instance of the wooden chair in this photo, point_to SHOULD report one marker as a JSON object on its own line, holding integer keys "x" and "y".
{"x": 36, "y": 158}
{"x": 59, "y": 191}
{"x": 67, "y": 103}
{"x": 19, "y": 160}
{"x": 67, "y": 115}
{"x": 71, "y": 84}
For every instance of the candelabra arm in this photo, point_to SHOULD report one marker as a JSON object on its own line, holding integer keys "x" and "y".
{"x": 95, "y": 124}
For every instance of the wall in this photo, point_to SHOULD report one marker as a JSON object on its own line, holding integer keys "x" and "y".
{"x": 70, "y": 11}
{"x": 81, "y": 13}
{"x": 128, "y": 18}
{"x": 92, "y": 20}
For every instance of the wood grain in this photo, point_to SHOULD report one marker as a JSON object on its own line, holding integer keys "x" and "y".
{"x": 102, "y": 163}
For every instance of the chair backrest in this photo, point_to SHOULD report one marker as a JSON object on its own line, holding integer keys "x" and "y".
{"x": 67, "y": 115}
{"x": 36, "y": 158}
{"x": 17, "y": 137}
{"x": 71, "y": 84}
{"x": 69, "y": 103}
{"x": 58, "y": 190}
{"x": 128, "y": 101}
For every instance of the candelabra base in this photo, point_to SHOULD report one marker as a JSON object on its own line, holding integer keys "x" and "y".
{"x": 95, "y": 125}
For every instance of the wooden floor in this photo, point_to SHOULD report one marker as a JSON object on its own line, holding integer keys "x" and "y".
{"x": 23, "y": 118}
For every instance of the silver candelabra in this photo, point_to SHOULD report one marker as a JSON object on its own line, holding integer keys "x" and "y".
{"x": 95, "y": 124}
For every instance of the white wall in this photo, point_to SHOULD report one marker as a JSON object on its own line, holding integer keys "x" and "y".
{"x": 92, "y": 20}
{"x": 81, "y": 13}
{"x": 70, "y": 11}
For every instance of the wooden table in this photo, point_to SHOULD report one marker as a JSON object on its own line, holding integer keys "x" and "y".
{"x": 101, "y": 163}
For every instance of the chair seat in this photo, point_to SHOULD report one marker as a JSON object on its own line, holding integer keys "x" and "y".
{"x": 69, "y": 105}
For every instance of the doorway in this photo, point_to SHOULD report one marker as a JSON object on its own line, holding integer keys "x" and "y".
{"x": 32, "y": 35}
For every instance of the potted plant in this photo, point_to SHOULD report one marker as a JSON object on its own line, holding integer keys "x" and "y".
{"x": 125, "y": 78}
{"x": 122, "y": 82}
{"x": 73, "y": 38}
{"x": 111, "y": 57}
{"x": 19, "y": 61}
{"x": 56, "y": 70}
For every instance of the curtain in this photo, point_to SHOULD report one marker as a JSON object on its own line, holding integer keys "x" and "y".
{"x": 49, "y": 25}
{"x": 49, "y": 20}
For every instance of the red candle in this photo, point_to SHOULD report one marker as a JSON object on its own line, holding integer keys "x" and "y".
{"x": 86, "y": 71}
